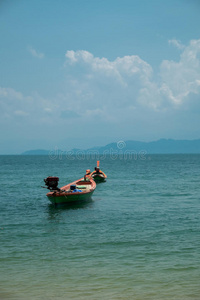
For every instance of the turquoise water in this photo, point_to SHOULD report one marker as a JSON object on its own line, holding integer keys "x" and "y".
{"x": 138, "y": 238}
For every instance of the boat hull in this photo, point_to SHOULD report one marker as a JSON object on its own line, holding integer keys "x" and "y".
{"x": 70, "y": 198}
{"x": 98, "y": 178}
{"x": 64, "y": 195}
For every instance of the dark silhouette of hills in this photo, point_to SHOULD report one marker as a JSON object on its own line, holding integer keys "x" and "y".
{"x": 36, "y": 152}
{"x": 162, "y": 146}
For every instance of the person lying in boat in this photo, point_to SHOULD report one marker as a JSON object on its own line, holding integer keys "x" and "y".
{"x": 74, "y": 189}
{"x": 87, "y": 176}
{"x": 98, "y": 171}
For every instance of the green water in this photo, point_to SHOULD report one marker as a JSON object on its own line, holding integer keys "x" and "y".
{"x": 138, "y": 238}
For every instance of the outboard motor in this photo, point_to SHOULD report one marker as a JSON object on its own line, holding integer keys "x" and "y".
{"x": 51, "y": 183}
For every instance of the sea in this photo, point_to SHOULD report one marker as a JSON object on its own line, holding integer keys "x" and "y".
{"x": 137, "y": 238}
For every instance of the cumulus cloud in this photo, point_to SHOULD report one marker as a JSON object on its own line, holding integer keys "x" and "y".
{"x": 129, "y": 82}
{"x": 35, "y": 53}
{"x": 180, "y": 80}
{"x": 103, "y": 84}
{"x": 119, "y": 94}
{"x": 121, "y": 69}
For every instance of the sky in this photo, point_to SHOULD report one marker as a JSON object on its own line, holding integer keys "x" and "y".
{"x": 84, "y": 73}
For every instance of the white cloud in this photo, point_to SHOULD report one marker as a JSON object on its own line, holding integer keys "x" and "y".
{"x": 10, "y": 93}
{"x": 129, "y": 81}
{"x": 35, "y": 53}
{"x": 181, "y": 79}
{"x": 21, "y": 113}
{"x": 114, "y": 96}
{"x": 15, "y": 104}
{"x": 34, "y": 109}
{"x": 104, "y": 84}
{"x": 176, "y": 43}
{"x": 97, "y": 86}
{"x": 120, "y": 69}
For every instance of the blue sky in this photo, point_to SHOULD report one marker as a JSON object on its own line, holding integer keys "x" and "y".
{"x": 83, "y": 73}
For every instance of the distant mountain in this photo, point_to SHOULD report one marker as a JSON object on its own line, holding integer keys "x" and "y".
{"x": 162, "y": 146}
{"x": 36, "y": 152}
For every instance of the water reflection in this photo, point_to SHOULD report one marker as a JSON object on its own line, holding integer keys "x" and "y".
{"x": 55, "y": 211}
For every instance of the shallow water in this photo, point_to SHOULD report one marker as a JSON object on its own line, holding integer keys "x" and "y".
{"x": 138, "y": 238}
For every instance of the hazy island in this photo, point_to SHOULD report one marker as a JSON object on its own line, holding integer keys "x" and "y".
{"x": 162, "y": 146}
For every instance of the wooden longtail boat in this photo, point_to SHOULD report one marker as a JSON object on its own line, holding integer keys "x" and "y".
{"x": 79, "y": 190}
{"x": 98, "y": 175}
